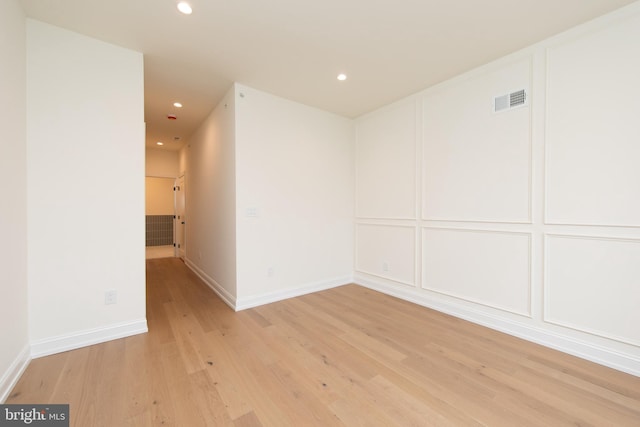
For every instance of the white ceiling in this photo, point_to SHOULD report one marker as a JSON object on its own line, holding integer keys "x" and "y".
{"x": 295, "y": 48}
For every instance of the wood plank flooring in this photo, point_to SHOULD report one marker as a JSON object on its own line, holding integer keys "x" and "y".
{"x": 343, "y": 357}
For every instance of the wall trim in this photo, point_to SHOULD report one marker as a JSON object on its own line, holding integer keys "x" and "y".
{"x": 548, "y": 284}
{"x": 425, "y": 285}
{"x": 385, "y": 218}
{"x": 524, "y": 56}
{"x": 625, "y": 362}
{"x": 596, "y": 26}
{"x": 87, "y": 337}
{"x": 476, "y": 221}
{"x": 269, "y": 297}
{"x": 15, "y": 371}
{"x": 228, "y": 299}
{"x": 416, "y": 237}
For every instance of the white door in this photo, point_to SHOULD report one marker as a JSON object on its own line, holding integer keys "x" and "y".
{"x": 180, "y": 217}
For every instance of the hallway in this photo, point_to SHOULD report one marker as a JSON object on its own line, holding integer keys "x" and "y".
{"x": 153, "y": 252}
{"x": 346, "y": 356}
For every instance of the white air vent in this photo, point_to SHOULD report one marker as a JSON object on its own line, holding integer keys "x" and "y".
{"x": 510, "y": 100}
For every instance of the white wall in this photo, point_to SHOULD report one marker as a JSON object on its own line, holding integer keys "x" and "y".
{"x": 159, "y": 196}
{"x": 161, "y": 163}
{"x": 14, "y": 351}
{"x": 594, "y": 133}
{"x": 209, "y": 162}
{"x": 269, "y": 190}
{"x": 525, "y": 220}
{"x": 294, "y": 169}
{"x": 386, "y": 172}
{"x": 85, "y": 216}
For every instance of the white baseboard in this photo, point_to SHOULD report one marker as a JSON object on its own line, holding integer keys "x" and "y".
{"x": 228, "y": 299}
{"x": 625, "y": 362}
{"x": 12, "y": 375}
{"x": 87, "y": 337}
{"x": 257, "y": 300}
{"x": 238, "y": 304}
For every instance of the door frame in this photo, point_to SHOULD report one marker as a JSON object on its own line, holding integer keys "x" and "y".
{"x": 180, "y": 206}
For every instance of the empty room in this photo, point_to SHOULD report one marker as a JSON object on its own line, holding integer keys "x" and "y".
{"x": 383, "y": 213}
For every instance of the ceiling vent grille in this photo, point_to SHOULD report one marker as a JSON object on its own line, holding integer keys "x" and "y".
{"x": 510, "y": 101}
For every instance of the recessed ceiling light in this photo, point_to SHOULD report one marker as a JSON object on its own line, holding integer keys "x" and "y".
{"x": 177, "y": 105}
{"x": 184, "y": 7}
{"x": 342, "y": 77}
{"x": 160, "y": 143}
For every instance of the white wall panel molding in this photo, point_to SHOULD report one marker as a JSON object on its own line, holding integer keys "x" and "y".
{"x": 492, "y": 227}
{"x": 477, "y": 164}
{"x": 593, "y": 225}
{"x": 591, "y": 285}
{"x": 386, "y": 163}
{"x": 490, "y": 268}
{"x": 475, "y": 222}
{"x": 620, "y": 359}
{"x": 88, "y": 337}
{"x": 391, "y": 222}
{"x": 387, "y": 251}
{"x": 592, "y": 106}
{"x": 373, "y": 219}
{"x": 527, "y": 220}
{"x": 592, "y": 230}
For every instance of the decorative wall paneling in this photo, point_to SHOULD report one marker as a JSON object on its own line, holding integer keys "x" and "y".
{"x": 527, "y": 220}
{"x": 491, "y": 268}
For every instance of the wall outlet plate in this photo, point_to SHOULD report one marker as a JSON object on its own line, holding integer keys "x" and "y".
{"x": 111, "y": 297}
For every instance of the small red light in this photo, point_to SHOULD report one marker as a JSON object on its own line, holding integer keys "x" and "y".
{"x": 171, "y": 117}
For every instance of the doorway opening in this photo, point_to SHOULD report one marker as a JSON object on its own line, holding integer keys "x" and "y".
{"x": 160, "y": 217}
{"x": 180, "y": 220}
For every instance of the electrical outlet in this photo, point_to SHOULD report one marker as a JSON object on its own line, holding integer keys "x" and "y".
{"x": 385, "y": 266}
{"x": 270, "y": 272}
{"x": 111, "y": 297}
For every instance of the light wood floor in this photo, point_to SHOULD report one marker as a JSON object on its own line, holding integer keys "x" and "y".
{"x": 343, "y": 357}
{"x": 153, "y": 252}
